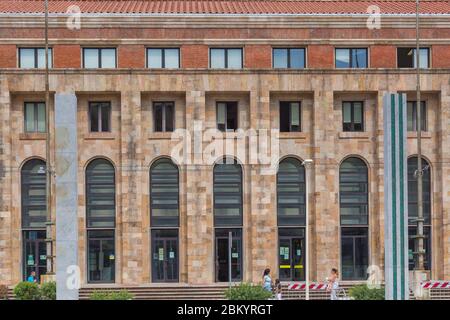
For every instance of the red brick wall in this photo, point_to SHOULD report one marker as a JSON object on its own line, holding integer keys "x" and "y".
{"x": 440, "y": 56}
{"x": 258, "y": 56}
{"x": 131, "y": 56}
{"x": 194, "y": 56}
{"x": 383, "y": 56}
{"x": 67, "y": 56}
{"x": 320, "y": 56}
{"x": 8, "y": 57}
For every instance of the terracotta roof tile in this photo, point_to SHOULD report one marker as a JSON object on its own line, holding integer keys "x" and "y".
{"x": 226, "y": 6}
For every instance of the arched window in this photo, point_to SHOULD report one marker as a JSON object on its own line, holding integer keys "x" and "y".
{"x": 164, "y": 193}
{"x": 228, "y": 193}
{"x": 354, "y": 203}
{"x": 100, "y": 217}
{"x": 412, "y": 210}
{"x": 33, "y": 178}
{"x": 291, "y": 193}
{"x": 34, "y": 208}
{"x": 100, "y": 194}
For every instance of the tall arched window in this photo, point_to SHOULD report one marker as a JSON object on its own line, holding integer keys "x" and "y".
{"x": 164, "y": 210}
{"x": 227, "y": 190}
{"x": 354, "y": 213}
{"x": 34, "y": 209}
{"x": 164, "y": 193}
{"x": 291, "y": 213}
{"x": 412, "y": 210}
{"x": 100, "y": 219}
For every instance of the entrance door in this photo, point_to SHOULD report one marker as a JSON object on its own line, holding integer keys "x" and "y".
{"x": 222, "y": 255}
{"x": 165, "y": 256}
{"x": 34, "y": 253}
{"x": 291, "y": 254}
{"x": 101, "y": 256}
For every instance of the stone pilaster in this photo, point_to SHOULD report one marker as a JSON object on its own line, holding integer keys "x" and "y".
{"x": 129, "y": 216}
{"x": 6, "y": 263}
{"x": 326, "y": 182}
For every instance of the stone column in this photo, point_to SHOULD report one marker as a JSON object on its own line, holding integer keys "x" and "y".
{"x": 6, "y": 263}
{"x": 444, "y": 233}
{"x": 260, "y": 216}
{"x": 131, "y": 183}
{"x": 326, "y": 182}
{"x": 199, "y": 230}
{"x": 66, "y": 166}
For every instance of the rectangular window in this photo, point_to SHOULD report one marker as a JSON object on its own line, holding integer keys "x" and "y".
{"x": 351, "y": 57}
{"x": 227, "y": 116}
{"x": 289, "y": 58}
{"x": 100, "y": 116}
{"x": 290, "y": 116}
{"x": 353, "y": 116}
{"x": 163, "y": 58}
{"x": 412, "y": 246}
{"x": 34, "y": 117}
{"x": 99, "y": 58}
{"x": 30, "y": 58}
{"x": 101, "y": 256}
{"x": 354, "y": 253}
{"x": 412, "y": 115}
{"x": 163, "y": 116}
{"x": 406, "y": 57}
{"x": 225, "y": 58}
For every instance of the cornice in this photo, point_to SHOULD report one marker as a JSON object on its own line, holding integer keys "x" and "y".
{"x": 224, "y": 21}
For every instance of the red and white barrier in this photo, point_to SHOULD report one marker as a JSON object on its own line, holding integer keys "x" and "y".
{"x": 302, "y": 286}
{"x": 436, "y": 284}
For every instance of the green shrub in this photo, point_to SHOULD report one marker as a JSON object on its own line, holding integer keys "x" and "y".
{"x": 48, "y": 290}
{"x": 111, "y": 295}
{"x": 27, "y": 291}
{"x": 362, "y": 292}
{"x": 3, "y": 292}
{"x": 247, "y": 291}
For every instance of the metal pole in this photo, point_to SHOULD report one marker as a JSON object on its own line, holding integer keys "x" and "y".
{"x": 230, "y": 245}
{"x": 419, "y": 237}
{"x": 49, "y": 236}
{"x": 307, "y": 233}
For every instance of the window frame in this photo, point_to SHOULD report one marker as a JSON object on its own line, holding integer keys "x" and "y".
{"x": 428, "y": 49}
{"x": 352, "y": 116}
{"x": 226, "y": 115}
{"x": 289, "y": 105}
{"x": 353, "y": 237}
{"x": 99, "y": 62}
{"x": 163, "y": 57}
{"x": 36, "y": 57}
{"x": 164, "y": 115}
{"x": 423, "y": 115}
{"x": 26, "y": 219}
{"x": 289, "y": 57}
{"x": 350, "y": 60}
{"x": 226, "y": 49}
{"x": 99, "y": 120}
{"x": 36, "y": 112}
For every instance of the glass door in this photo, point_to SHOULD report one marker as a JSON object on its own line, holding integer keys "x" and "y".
{"x": 34, "y": 253}
{"x": 291, "y": 246}
{"x": 165, "y": 256}
{"x": 222, "y": 255}
{"x": 101, "y": 256}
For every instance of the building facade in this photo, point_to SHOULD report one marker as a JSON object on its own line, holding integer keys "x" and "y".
{"x": 134, "y": 75}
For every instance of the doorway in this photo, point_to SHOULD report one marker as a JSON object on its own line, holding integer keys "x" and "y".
{"x": 165, "y": 255}
{"x": 291, "y": 254}
{"x": 34, "y": 253}
{"x": 101, "y": 256}
{"x": 222, "y": 255}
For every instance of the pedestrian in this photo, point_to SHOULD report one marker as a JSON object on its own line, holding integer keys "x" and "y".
{"x": 32, "y": 277}
{"x": 333, "y": 283}
{"x": 277, "y": 289}
{"x": 267, "y": 280}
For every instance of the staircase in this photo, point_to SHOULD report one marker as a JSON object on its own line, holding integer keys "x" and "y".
{"x": 164, "y": 292}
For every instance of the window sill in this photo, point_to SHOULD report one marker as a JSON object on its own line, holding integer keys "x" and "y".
{"x": 354, "y": 135}
{"x": 99, "y": 136}
{"x": 33, "y": 136}
{"x": 294, "y": 135}
{"x": 424, "y": 135}
{"x": 160, "y": 135}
